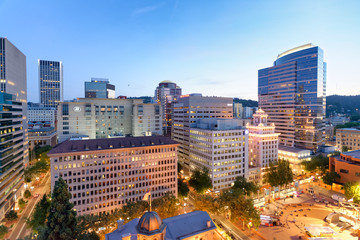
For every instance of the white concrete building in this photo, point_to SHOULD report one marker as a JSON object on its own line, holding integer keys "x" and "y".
{"x": 103, "y": 118}
{"x": 187, "y": 110}
{"x": 41, "y": 116}
{"x": 221, "y": 146}
{"x": 263, "y": 144}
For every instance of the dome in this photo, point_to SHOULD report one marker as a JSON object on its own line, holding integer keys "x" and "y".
{"x": 150, "y": 223}
{"x": 166, "y": 81}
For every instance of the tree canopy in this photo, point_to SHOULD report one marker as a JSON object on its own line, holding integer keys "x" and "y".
{"x": 200, "y": 180}
{"x": 38, "y": 218}
{"x": 243, "y": 185}
{"x": 183, "y": 189}
{"x": 279, "y": 175}
{"x": 352, "y": 190}
{"x": 330, "y": 177}
{"x": 317, "y": 163}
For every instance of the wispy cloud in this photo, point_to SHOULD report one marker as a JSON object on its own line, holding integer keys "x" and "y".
{"x": 147, "y": 9}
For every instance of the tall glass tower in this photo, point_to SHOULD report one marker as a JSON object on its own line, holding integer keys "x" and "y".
{"x": 50, "y": 82}
{"x": 293, "y": 94}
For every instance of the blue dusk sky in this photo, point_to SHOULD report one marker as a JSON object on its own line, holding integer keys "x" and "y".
{"x": 207, "y": 46}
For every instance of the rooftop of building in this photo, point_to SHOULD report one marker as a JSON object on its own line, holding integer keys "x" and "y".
{"x": 348, "y": 129}
{"x": 177, "y": 227}
{"x": 167, "y": 81}
{"x": 292, "y": 149}
{"x": 354, "y": 154}
{"x": 44, "y": 129}
{"x": 296, "y": 49}
{"x": 110, "y": 143}
{"x": 218, "y": 124}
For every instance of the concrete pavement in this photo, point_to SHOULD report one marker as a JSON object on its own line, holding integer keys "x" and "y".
{"x": 19, "y": 231}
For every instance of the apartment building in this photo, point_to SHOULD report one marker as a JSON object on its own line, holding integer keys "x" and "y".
{"x": 104, "y": 174}
{"x": 103, "y": 118}
{"x": 348, "y": 137}
{"x": 187, "y": 110}
{"x": 221, "y": 146}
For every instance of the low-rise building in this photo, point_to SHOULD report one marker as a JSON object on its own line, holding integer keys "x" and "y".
{"x": 42, "y": 137}
{"x": 41, "y": 117}
{"x": 194, "y": 225}
{"x": 295, "y": 156}
{"x": 221, "y": 146}
{"x": 347, "y": 165}
{"x": 104, "y": 174}
{"x": 348, "y": 137}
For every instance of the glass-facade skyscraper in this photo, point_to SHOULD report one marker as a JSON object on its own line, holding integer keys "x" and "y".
{"x": 99, "y": 88}
{"x": 293, "y": 94}
{"x": 50, "y": 82}
{"x": 13, "y": 125}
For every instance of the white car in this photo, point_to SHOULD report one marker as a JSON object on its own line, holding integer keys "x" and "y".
{"x": 317, "y": 200}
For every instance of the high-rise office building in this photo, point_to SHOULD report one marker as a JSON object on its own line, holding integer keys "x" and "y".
{"x": 166, "y": 93}
{"x": 103, "y": 118}
{"x": 105, "y": 174}
{"x": 51, "y": 82}
{"x": 187, "y": 110}
{"x": 221, "y": 146}
{"x": 13, "y": 132}
{"x": 99, "y": 88}
{"x": 292, "y": 93}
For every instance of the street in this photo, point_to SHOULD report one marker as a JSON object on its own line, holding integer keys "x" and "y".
{"x": 19, "y": 231}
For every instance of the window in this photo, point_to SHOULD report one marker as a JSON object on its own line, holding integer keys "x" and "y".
{"x": 65, "y": 109}
{"x": 344, "y": 171}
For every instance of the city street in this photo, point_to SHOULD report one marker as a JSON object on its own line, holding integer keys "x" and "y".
{"x": 19, "y": 231}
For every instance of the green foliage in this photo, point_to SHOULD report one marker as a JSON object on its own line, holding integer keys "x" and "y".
{"x": 348, "y": 125}
{"x": 22, "y": 203}
{"x": 134, "y": 210}
{"x": 11, "y": 215}
{"x": 352, "y": 190}
{"x": 243, "y": 185}
{"x": 27, "y": 193}
{"x": 200, "y": 180}
{"x": 3, "y": 230}
{"x": 38, "y": 167}
{"x": 279, "y": 175}
{"x": 61, "y": 222}
{"x": 89, "y": 236}
{"x": 344, "y": 149}
{"x": 38, "y": 218}
{"x": 318, "y": 163}
{"x": 355, "y": 118}
{"x": 246, "y": 103}
{"x": 183, "y": 189}
{"x": 166, "y": 206}
{"x": 342, "y": 104}
{"x": 39, "y": 151}
{"x": 330, "y": 177}
{"x": 179, "y": 167}
{"x": 204, "y": 202}
{"x": 240, "y": 207}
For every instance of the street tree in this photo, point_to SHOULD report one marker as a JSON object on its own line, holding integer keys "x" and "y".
{"x": 11, "y": 215}
{"x": 61, "y": 223}
{"x": 317, "y": 164}
{"x": 200, "y": 180}
{"x": 279, "y": 175}
{"x": 38, "y": 218}
{"x": 22, "y": 203}
{"x": 330, "y": 177}
{"x": 352, "y": 191}
{"x": 3, "y": 231}
{"x": 344, "y": 149}
{"x": 183, "y": 189}
{"x": 27, "y": 194}
{"x": 208, "y": 203}
{"x": 166, "y": 206}
{"x": 243, "y": 185}
{"x": 134, "y": 210}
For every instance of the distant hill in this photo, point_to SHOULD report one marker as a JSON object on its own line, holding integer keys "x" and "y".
{"x": 349, "y": 105}
{"x": 246, "y": 103}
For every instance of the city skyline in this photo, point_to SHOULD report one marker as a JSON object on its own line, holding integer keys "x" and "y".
{"x": 215, "y": 48}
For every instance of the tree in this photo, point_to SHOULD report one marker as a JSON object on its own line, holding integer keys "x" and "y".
{"x": 344, "y": 149}
{"x": 352, "y": 191}
{"x": 134, "y": 210}
{"x": 61, "y": 222}
{"x": 240, "y": 207}
{"x": 27, "y": 194}
{"x": 330, "y": 177}
{"x": 280, "y": 175}
{"x": 243, "y": 185}
{"x": 200, "y": 180}
{"x": 11, "y": 215}
{"x": 89, "y": 236}
{"x": 166, "y": 206}
{"x": 3, "y": 231}
{"x": 317, "y": 163}
{"x": 204, "y": 202}
{"x": 22, "y": 203}
{"x": 179, "y": 167}
{"x": 183, "y": 189}
{"x": 38, "y": 218}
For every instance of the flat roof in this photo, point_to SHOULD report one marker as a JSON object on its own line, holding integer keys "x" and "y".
{"x": 354, "y": 154}
{"x": 292, "y": 149}
{"x": 110, "y": 143}
{"x": 348, "y": 129}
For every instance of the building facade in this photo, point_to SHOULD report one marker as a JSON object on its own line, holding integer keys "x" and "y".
{"x": 348, "y": 137}
{"x": 103, "y": 118}
{"x": 295, "y": 156}
{"x": 99, "y": 88}
{"x": 41, "y": 117}
{"x": 165, "y": 94}
{"x": 13, "y": 130}
{"x": 41, "y": 137}
{"x": 292, "y": 93}
{"x": 347, "y": 165}
{"x": 194, "y": 225}
{"x": 263, "y": 144}
{"x": 104, "y": 174}
{"x": 187, "y": 110}
{"x": 51, "y": 82}
{"x": 221, "y": 146}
